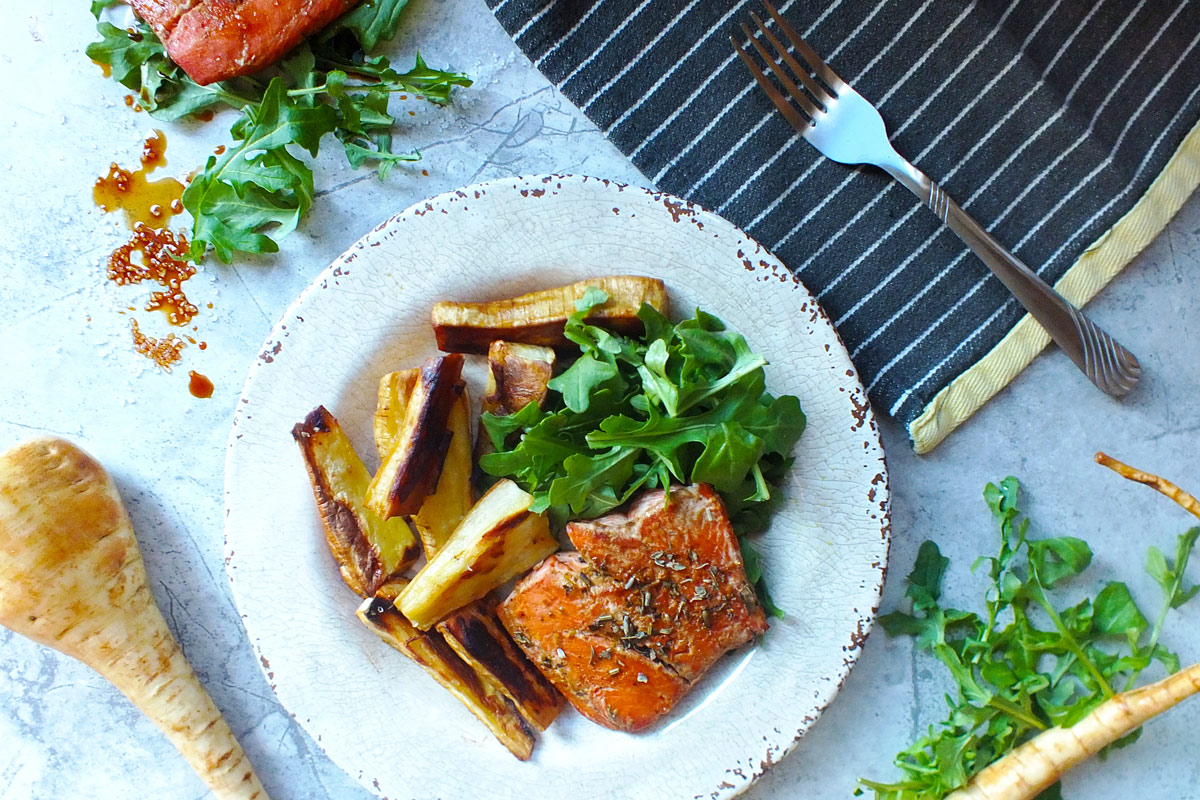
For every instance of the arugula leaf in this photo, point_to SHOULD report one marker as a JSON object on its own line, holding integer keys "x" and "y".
{"x": 124, "y": 53}
{"x": 372, "y": 22}
{"x": 1170, "y": 575}
{"x": 1016, "y": 676}
{"x": 925, "y": 580}
{"x": 260, "y": 189}
{"x": 728, "y": 456}
{"x": 98, "y": 6}
{"x": 258, "y": 183}
{"x": 683, "y": 403}
{"x": 1116, "y": 613}
{"x": 577, "y": 382}
{"x": 589, "y": 485}
{"x": 1055, "y": 559}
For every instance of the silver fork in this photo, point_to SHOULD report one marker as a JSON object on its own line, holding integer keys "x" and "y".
{"x": 846, "y": 128}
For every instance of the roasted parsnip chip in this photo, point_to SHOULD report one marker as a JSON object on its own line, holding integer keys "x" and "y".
{"x": 477, "y": 636}
{"x": 498, "y": 539}
{"x": 443, "y": 510}
{"x": 394, "y": 390}
{"x": 368, "y": 550}
{"x": 518, "y": 374}
{"x": 437, "y": 658}
{"x": 539, "y": 317}
{"x": 410, "y": 471}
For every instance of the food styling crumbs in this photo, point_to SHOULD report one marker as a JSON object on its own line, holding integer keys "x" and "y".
{"x": 153, "y": 253}
{"x": 164, "y": 352}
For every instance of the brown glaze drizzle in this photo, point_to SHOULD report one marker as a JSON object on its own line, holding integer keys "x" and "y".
{"x": 153, "y": 253}
{"x": 130, "y": 191}
{"x": 160, "y": 261}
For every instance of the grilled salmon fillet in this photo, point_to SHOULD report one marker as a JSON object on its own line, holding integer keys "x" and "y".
{"x": 214, "y": 40}
{"x": 653, "y": 597}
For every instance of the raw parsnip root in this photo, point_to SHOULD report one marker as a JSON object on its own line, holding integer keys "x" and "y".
{"x": 1036, "y": 765}
{"x": 1189, "y": 503}
{"x": 72, "y": 578}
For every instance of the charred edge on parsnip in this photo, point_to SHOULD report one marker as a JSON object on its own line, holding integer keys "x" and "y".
{"x": 539, "y": 318}
{"x": 476, "y": 339}
{"x": 357, "y": 561}
{"x": 414, "y": 464}
{"x": 476, "y": 634}
{"x": 452, "y": 496}
{"x": 431, "y": 651}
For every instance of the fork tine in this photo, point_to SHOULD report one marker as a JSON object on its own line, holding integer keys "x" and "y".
{"x": 831, "y": 79}
{"x": 822, "y": 96}
{"x": 798, "y": 120}
{"x": 797, "y": 94}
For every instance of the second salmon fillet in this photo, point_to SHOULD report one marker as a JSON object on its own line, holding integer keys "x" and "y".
{"x": 214, "y": 40}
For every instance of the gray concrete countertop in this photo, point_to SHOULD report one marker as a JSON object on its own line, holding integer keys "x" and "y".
{"x": 67, "y": 367}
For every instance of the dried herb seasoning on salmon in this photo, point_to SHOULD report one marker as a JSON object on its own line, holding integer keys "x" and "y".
{"x": 653, "y": 597}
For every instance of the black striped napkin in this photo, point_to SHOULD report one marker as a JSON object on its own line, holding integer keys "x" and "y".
{"x": 1047, "y": 119}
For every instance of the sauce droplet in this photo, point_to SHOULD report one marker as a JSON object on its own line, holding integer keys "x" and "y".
{"x": 141, "y": 200}
{"x": 204, "y": 116}
{"x": 154, "y": 151}
{"x": 104, "y": 68}
{"x": 199, "y": 385}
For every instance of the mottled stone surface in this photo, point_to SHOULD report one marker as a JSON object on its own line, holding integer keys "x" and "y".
{"x": 68, "y": 368}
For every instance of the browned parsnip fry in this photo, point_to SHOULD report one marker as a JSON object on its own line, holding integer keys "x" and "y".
{"x": 368, "y": 550}
{"x": 443, "y": 510}
{"x": 450, "y": 501}
{"x": 518, "y": 374}
{"x": 498, "y": 539}
{"x": 477, "y": 636}
{"x": 1191, "y": 504}
{"x": 410, "y": 471}
{"x": 394, "y": 390}
{"x": 539, "y": 317}
{"x": 437, "y": 658}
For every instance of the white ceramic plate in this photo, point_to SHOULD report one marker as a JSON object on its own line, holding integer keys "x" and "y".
{"x": 378, "y": 715}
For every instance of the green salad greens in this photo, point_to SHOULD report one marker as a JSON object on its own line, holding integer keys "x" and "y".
{"x": 684, "y": 403}
{"x": 1026, "y": 662}
{"x": 331, "y": 84}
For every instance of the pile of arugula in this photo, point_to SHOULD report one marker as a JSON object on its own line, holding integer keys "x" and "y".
{"x": 330, "y": 84}
{"x": 685, "y": 403}
{"x": 1043, "y": 666}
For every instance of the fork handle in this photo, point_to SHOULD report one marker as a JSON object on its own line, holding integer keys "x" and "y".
{"x": 1106, "y": 363}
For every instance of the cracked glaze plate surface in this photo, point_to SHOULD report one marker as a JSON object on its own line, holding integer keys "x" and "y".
{"x": 377, "y": 714}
